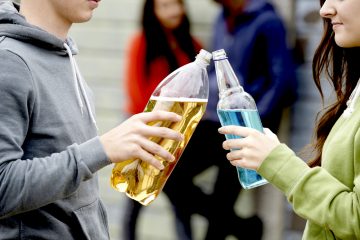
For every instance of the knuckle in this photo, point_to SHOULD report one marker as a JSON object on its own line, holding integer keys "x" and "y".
{"x": 135, "y": 139}
{"x": 245, "y": 152}
{"x": 157, "y": 150}
{"x": 157, "y": 114}
{"x": 148, "y": 158}
{"x": 166, "y": 132}
{"x": 257, "y": 133}
{"x": 134, "y": 148}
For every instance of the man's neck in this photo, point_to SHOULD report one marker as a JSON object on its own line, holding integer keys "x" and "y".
{"x": 45, "y": 18}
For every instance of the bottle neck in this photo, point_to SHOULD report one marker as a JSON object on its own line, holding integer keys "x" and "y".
{"x": 230, "y": 91}
{"x": 201, "y": 61}
{"x": 203, "y": 58}
{"x": 226, "y": 78}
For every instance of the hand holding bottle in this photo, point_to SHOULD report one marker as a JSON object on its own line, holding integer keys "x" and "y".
{"x": 130, "y": 139}
{"x": 251, "y": 149}
{"x": 184, "y": 92}
{"x": 236, "y": 107}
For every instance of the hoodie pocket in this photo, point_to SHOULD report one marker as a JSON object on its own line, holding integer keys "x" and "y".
{"x": 93, "y": 221}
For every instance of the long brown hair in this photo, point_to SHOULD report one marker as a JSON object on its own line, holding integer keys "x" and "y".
{"x": 156, "y": 40}
{"x": 341, "y": 68}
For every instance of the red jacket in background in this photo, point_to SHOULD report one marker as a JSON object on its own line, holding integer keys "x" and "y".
{"x": 138, "y": 84}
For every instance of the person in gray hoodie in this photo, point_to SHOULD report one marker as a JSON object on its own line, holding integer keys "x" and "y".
{"x": 50, "y": 149}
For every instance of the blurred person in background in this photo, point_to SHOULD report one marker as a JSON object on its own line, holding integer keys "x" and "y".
{"x": 325, "y": 190}
{"x": 254, "y": 38}
{"x": 163, "y": 44}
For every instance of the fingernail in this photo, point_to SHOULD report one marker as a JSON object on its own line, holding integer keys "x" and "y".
{"x": 220, "y": 130}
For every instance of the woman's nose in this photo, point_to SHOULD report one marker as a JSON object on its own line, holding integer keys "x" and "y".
{"x": 327, "y": 10}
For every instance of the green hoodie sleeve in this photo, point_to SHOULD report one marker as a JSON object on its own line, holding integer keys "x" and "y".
{"x": 315, "y": 194}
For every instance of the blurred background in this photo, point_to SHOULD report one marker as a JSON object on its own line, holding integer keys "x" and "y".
{"x": 102, "y": 43}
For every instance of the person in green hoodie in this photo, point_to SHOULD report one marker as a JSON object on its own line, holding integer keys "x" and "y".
{"x": 326, "y": 191}
{"x": 50, "y": 149}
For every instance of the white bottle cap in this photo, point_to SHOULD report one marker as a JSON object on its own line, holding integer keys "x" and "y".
{"x": 219, "y": 54}
{"x": 204, "y": 56}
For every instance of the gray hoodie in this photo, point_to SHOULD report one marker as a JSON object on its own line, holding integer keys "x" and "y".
{"x": 50, "y": 151}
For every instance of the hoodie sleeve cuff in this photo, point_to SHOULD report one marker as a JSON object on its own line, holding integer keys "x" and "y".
{"x": 93, "y": 154}
{"x": 283, "y": 168}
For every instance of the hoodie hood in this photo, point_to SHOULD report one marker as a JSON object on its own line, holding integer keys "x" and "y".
{"x": 254, "y": 6}
{"x": 14, "y": 25}
{"x": 251, "y": 10}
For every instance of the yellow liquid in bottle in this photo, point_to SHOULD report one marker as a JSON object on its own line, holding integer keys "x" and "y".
{"x": 141, "y": 181}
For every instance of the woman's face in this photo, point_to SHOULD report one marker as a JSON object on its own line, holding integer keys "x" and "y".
{"x": 345, "y": 20}
{"x": 169, "y": 12}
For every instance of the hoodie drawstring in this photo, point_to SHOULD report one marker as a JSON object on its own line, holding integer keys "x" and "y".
{"x": 79, "y": 85}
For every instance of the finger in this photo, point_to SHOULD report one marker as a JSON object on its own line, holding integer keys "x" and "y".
{"x": 242, "y": 162}
{"x": 149, "y": 158}
{"x": 162, "y": 132}
{"x": 156, "y": 149}
{"x": 159, "y": 116}
{"x": 236, "y": 130}
{"x": 236, "y": 163}
{"x": 237, "y": 143}
{"x": 234, "y": 155}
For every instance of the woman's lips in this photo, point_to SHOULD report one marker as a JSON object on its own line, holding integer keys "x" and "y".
{"x": 94, "y": 3}
{"x": 336, "y": 24}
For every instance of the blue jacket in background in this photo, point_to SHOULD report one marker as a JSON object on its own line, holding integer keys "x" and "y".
{"x": 258, "y": 52}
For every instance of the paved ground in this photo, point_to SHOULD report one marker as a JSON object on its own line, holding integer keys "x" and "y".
{"x": 156, "y": 222}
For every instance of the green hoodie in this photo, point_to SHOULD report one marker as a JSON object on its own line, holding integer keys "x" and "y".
{"x": 328, "y": 196}
{"x": 50, "y": 151}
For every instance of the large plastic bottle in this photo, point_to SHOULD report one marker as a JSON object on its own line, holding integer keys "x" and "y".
{"x": 236, "y": 107}
{"x": 185, "y": 92}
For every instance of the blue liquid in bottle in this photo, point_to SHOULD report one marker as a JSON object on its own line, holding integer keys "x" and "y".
{"x": 247, "y": 118}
